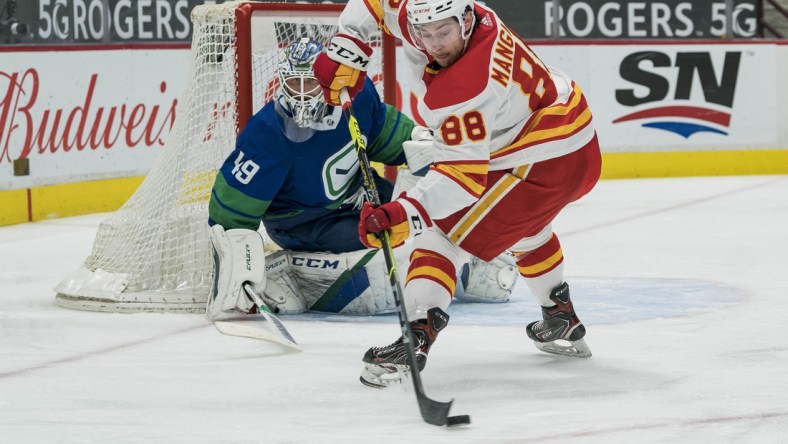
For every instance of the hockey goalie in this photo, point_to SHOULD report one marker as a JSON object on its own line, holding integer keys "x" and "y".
{"x": 295, "y": 170}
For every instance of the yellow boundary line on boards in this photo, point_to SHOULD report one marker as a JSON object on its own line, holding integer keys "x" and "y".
{"x": 74, "y": 199}
{"x": 696, "y": 163}
{"x": 63, "y": 200}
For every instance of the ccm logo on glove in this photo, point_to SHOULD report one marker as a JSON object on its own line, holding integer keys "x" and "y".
{"x": 349, "y": 51}
{"x": 343, "y": 65}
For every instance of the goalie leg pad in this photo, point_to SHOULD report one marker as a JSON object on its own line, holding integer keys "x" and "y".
{"x": 378, "y": 296}
{"x": 489, "y": 281}
{"x": 239, "y": 257}
{"x": 282, "y": 294}
{"x": 354, "y": 283}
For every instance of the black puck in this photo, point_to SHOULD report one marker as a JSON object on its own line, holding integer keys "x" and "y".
{"x": 458, "y": 420}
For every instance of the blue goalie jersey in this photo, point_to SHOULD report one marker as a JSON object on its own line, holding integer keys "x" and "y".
{"x": 273, "y": 178}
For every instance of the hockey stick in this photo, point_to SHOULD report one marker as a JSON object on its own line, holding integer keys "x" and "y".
{"x": 252, "y": 328}
{"x": 433, "y": 412}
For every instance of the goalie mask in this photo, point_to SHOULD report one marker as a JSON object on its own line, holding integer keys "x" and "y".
{"x": 302, "y": 97}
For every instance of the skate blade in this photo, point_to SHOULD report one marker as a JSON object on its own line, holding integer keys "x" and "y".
{"x": 575, "y": 349}
{"x": 377, "y": 376}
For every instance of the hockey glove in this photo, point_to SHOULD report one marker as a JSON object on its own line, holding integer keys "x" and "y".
{"x": 343, "y": 65}
{"x": 419, "y": 150}
{"x": 403, "y": 217}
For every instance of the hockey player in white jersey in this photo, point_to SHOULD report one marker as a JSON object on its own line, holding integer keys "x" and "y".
{"x": 514, "y": 145}
{"x": 295, "y": 170}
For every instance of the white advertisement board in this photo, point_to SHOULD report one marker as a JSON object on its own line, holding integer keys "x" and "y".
{"x": 684, "y": 97}
{"x": 104, "y": 113}
{"x": 671, "y": 97}
{"x": 82, "y": 115}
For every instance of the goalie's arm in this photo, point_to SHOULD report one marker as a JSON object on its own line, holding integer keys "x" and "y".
{"x": 394, "y": 138}
{"x": 250, "y": 178}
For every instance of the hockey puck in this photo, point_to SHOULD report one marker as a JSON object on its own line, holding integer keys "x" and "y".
{"x": 453, "y": 421}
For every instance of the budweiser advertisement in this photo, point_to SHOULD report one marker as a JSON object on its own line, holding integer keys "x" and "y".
{"x": 81, "y": 115}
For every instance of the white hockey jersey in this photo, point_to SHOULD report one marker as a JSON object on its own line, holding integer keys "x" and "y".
{"x": 498, "y": 107}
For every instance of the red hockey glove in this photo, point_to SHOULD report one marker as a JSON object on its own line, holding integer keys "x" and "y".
{"x": 343, "y": 65}
{"x": 404, "y": 218}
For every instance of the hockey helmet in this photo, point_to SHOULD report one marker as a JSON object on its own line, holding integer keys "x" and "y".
{"x": 301, "y": 92}
{"x": 421, "y": 12}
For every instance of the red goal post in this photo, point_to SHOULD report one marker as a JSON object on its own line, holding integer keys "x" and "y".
{"x": 153, "y": 254}
{"x": 383, "y": 70}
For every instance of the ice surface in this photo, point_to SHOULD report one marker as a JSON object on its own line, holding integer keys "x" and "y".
{"x": 681, "y": 283}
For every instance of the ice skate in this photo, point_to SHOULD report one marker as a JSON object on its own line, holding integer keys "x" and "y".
{"x": 560, "y": 331}
{"x": 384, "y": 366}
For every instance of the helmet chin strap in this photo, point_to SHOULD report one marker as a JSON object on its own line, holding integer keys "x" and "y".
{"x": 467, "y": 39}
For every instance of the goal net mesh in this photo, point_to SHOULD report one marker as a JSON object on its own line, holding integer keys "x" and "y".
{"x": 153, "y": 254}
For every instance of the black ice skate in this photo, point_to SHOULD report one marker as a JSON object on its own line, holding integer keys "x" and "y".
{"x": 387, "y": 365}
{"x": 560, "y": 331}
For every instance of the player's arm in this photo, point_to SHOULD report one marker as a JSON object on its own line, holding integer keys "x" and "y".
{"x": 234, "y": 202}
{"x": 345, "y": 61}
{"x": 388, "y": 128}
{"x": 238, "y": 200}
{"x": 394, "y": 139}
{"x": 457, "y": 178}
{"x": 362, "y": 18}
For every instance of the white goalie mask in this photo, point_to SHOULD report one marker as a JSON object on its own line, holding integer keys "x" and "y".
{"x": 302, "y": 96}
{"x": 422, "y": 12}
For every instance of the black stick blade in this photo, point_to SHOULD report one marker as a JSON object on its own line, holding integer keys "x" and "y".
{"x": 434, "y": 412}
{"x": 453, "y": 421}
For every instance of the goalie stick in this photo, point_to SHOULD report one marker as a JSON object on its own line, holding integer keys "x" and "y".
{"x": 432, "y": 411}
{"x": 251, "y": 327}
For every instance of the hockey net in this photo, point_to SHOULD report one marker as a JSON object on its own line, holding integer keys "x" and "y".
{"x": 153, "y": 254}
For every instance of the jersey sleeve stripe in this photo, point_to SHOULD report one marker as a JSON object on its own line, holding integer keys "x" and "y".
{"x": 376, "y": 9}
{"x": 551, "y": 123}
{"x": 229, "y": 208}
{"x": 557, "y": 132}
{"x": 226, "y": 199}
{"x": 472, "y": 177}
{"x": 228, "y": 217}
{"x": 395, "y": 130}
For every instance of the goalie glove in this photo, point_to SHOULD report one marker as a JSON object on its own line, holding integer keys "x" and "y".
{"x": 343, "y": 65}
{"x": 403, "y": 217}
{"x": 239, "y": 258}
{"x": 419, "y": 150}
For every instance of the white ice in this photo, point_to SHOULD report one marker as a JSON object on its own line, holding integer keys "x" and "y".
{"x": 681, "y": 283}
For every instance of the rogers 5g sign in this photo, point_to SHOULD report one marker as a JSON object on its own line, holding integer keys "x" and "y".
{"x": 630, "y": 19}
{"x": 650, "y": 19}
{"x": 97, "y": 21}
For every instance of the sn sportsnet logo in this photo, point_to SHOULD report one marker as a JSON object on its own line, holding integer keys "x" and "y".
{"x": 686, "y": 92}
